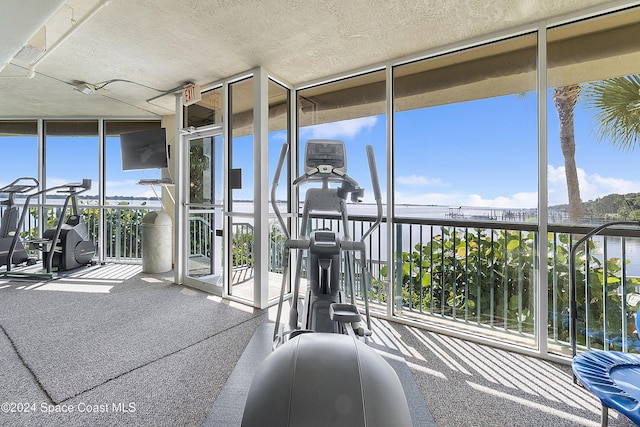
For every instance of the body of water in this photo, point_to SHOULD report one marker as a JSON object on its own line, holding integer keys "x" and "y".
{"x": 616, "y": 247}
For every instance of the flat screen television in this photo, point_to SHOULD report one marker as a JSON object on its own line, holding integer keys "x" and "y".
{"x": 145, "y": 149}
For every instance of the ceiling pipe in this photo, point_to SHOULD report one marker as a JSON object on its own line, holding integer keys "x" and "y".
{"x": 32, "y": 67}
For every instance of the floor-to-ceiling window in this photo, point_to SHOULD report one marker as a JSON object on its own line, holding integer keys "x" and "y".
{"x": 71, "y": 154}
{"x": 351, "y": 110}
{"x": 19, "y": 148}
{"x": 71, "y": 150}
{"x": 240, "y": 163}
{"x": 593, "y": 116}
{"x": 465, "y": 173}
{"x": 125, "y": 201}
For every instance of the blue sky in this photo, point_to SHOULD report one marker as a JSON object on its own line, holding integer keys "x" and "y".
{"x": 478, "y": 153}
{"x": 483, "y": 153}
{"x": 71, "y": 159}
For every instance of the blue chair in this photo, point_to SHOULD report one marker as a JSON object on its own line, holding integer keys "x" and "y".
{"x": 613, "y": 376}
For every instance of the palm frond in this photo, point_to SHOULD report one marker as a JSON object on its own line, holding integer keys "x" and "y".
{"x": 617, "y": 105}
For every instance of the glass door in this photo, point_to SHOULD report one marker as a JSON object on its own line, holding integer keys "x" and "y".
{"x": 205, "y": 199}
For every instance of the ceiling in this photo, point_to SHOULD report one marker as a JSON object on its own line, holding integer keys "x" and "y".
{"x": 134, "y": 52}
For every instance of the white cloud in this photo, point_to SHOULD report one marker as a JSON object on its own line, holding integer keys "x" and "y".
{"x": 131, "y": 188}
{"x": 421, "y": 181}
{"x": 514, "y": 201}
{"x": 346, "y": 129}
{"x": 280, "y": 136}
{"x": 592, "y": 186}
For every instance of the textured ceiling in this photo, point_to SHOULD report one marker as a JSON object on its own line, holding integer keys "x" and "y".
{"x": 14, "y": 32}
{"x": 159, "y": 45}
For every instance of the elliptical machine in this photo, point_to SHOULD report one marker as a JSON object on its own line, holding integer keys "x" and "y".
{"x": 9, "y": 230}
{"x": 326, "y": 308}
{"x": 321, "y": 372}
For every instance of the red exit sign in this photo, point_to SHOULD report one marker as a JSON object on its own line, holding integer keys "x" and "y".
{"x": 191, "y": 94}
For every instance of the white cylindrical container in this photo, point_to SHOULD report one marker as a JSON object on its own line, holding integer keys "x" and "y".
{"x": 156, "y": 242}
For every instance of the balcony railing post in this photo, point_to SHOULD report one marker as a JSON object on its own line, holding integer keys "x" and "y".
{"x": 398, "y": 282}
{"x": 118, "y": 235}
{"x": 623, "y": 278}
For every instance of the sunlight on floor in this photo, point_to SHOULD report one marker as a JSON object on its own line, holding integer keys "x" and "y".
{"x": 503, "y": 370}
{"x": 431, "y": 372}
{"x": 232, "y": 304}
{"x": 240, "y": 306}
{"x": 98, "y": 279}
{"x": 72, "y": 287}
{"x": 151, "y": 280}
{"x": 119, "y": 272}
{"x": 555, "y": 412}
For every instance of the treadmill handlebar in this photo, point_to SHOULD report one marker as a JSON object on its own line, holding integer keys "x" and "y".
{"x": 327, "y": 173}
{"x": 281, "y": 159}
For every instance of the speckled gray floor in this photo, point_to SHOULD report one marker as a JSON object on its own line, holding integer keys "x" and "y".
{"x": 118, "y": 347}
{"x": 467, "y": 384}
{"x": 147, "y": 353}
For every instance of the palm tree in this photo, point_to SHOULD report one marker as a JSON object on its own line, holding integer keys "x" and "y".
{"x": 617, "y": 105}
{"x": 565, "y": 99}
{"x": 198, "y": 166}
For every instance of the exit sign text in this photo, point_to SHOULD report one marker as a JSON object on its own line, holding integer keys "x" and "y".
{"x": 191, "y": 94}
